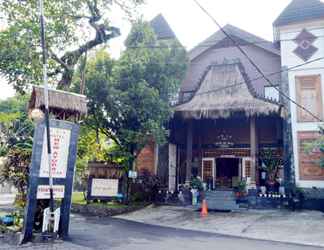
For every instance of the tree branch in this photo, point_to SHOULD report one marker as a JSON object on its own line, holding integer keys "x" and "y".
{"x": 103, "y": 34}
{"x": 57, "y": 59}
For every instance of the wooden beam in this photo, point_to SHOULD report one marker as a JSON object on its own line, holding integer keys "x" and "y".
{"x": 189, "y": 151}
{"x": 254, "y": 149}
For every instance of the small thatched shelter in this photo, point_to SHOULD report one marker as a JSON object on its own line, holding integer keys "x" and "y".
{"x": 63, "y": 105}
{"x": 224, "y": 90}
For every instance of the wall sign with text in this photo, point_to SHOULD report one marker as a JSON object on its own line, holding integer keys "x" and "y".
{"x": 103, "y": 188}
{"x": 60, "y": 142}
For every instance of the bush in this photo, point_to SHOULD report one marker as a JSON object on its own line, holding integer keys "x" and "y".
{"x": 145, "y": 188}
{"x": 16, "y": 170}
{"x": 196, "y": 183}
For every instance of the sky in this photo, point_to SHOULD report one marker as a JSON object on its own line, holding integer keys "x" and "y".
{"x": 192, "y": 26}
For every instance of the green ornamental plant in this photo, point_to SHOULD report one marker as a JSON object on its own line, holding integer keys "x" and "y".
{"x": 241, "y": 188}
{"x": 196, "y": 183}
{"x": 272, "y": 164}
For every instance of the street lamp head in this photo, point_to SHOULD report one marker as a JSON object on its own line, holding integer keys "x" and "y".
{"x": 36, "y": 115}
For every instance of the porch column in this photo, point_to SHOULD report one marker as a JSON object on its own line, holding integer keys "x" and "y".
{"x": 189, "y": 151}
{"x": 200, "y": 154}
{"x": 254, "y": 149}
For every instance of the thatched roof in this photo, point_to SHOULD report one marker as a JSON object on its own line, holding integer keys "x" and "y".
{"x": 224, "y": 90}
{"x": 59, "y": 101}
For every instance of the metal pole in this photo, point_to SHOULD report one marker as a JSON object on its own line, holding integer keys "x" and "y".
{"x": 43, "y": 44}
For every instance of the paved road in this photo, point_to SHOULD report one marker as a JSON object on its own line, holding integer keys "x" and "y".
{"x": 118, "y": 234}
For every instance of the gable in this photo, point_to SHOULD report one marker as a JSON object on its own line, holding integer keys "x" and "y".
{"x": 240, "y": 35}
{"x": 224, "y": 52}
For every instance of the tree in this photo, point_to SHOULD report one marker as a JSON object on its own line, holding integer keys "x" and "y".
{"x": 16, "y": 129}
{"x": 74, "y": 27}
{"x": 129, "y": 99}
{"x": 15, "y": 143}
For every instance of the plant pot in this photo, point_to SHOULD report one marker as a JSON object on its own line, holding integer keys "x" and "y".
{"x": 263, "y": 189}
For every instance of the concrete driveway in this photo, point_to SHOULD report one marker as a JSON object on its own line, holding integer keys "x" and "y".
{"x": 305, "y": 227}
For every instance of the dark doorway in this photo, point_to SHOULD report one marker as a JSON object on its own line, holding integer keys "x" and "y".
{"x": 227, "y": 172}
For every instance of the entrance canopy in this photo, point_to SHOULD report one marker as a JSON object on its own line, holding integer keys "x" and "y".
{"x": 224, "y": 90}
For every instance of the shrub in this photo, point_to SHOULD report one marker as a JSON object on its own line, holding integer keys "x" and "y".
{"x": 145, "y": 188}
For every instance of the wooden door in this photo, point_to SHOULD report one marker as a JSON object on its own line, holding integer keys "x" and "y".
{"x": 208, "y": 170}
{"x": 247, "y": 169}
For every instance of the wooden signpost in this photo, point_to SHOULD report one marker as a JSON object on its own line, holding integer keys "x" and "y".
{"x": 105, "y": 182}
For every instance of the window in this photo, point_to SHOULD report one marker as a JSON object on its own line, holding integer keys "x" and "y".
{"x": 271, "y": 93}
{"x": 309, "y": 95}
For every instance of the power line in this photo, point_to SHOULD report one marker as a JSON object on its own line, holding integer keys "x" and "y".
{"x": 212, "y": 43}
{"x": 254, "y": 64}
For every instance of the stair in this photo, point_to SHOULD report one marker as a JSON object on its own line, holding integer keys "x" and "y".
{"x": 221, "y": 200}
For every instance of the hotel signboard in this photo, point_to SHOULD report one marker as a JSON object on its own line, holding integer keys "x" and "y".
{"x": 64, "y": 138}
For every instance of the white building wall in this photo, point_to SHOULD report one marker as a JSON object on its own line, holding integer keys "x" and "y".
{"x": 289, "y": 59}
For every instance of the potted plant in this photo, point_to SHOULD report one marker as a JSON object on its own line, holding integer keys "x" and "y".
{"x": 196, "y": 186}
{"x": 271, "y": 164}
{"x": 241, "y": 189}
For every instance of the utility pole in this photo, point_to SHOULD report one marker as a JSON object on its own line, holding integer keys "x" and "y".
{"x": 47, "y": 126}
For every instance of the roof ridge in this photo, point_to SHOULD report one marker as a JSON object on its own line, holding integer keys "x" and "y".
{"x": 217, "y": 36}
{"x": 230, "y": 26}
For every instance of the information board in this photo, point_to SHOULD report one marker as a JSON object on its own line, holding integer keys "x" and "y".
{"x": 104, "y": 187}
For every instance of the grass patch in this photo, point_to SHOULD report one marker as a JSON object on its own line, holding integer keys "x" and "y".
{"x": 78, "y": 198}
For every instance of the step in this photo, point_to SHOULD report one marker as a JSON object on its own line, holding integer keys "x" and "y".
{"x": 221, "y": 200}
{"x": 220, "y": 195}
{"x": 223, "y": 193}
{"x": 223, "y": 207}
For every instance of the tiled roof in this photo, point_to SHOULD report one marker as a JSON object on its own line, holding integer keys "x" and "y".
{"x": 162, "y": 28}
{"x": 300, "y": 11}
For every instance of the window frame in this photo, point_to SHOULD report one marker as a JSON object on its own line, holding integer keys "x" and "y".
{"x": 274, "y": 88}
{"x": 303, "y": 116}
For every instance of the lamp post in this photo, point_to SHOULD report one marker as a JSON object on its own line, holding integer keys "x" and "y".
{"x": 47, "y": 126}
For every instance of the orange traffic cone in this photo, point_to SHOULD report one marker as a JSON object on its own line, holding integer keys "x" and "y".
{"x": 204, "y": 209}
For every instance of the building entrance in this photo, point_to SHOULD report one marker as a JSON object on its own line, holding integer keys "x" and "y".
{"x": 227, "y": 172}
